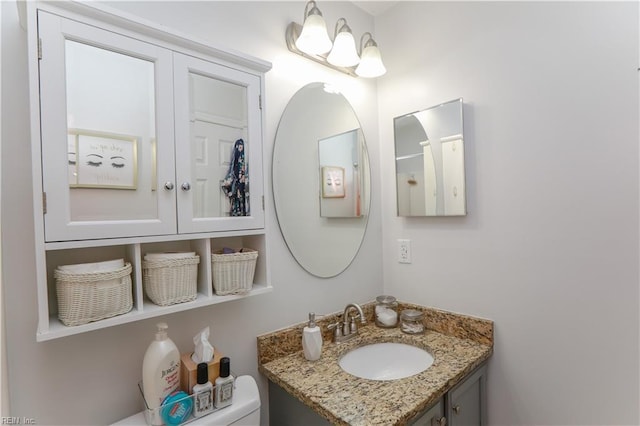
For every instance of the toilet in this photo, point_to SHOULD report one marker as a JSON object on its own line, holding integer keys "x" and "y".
{"x": 244, "y": 411}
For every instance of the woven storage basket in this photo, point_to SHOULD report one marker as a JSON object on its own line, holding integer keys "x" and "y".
{"x": 233, "y": 272}
{"x": 87, "y": 297}
{"x": 171, "y": 281}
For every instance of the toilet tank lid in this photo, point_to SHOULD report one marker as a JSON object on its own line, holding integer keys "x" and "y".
{"x": 246, "y": 400}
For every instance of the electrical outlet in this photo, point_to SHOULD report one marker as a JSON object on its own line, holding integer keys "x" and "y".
{"x": 404, "y": 251}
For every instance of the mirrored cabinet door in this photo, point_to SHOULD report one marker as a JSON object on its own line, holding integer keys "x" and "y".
{"x": 430, "y": 172}
{"x": 218, "y": 147}
{"x": 107, "y": 133}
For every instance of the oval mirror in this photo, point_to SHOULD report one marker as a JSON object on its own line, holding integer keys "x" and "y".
{"x": 321, "y": 181}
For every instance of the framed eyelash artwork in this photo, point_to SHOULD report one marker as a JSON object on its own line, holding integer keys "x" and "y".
{"x": 333, "y": 182}
{"x": 102, "y": 160}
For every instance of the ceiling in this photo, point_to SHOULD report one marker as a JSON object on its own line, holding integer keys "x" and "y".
{"x": 375, "y": 8}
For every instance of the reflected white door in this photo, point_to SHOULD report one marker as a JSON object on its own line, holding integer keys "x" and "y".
{"x": 214, "y": 107}
{"x": 453, "y": 177}
{"x": 430, "y": 183}
{"x": 211, "y": 146}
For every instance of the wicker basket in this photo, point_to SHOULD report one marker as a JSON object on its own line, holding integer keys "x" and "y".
{"x": 171, "y": 281}
{"x": 233, "y": 272}
{"x": 87, "y": 297}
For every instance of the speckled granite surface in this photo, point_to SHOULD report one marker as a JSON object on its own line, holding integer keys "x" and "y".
{"x": 458, "y": 343}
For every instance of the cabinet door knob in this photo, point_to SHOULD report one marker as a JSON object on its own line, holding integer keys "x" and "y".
{"x": 168, "y": 186}
{"x": 456, "y": 409}
{"x": 442, "y": 421}
{"x": 186, "y": 186}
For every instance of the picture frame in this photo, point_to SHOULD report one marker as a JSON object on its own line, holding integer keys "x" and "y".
{"x": 333, "y": 182}
{"x": 102, "y": 159}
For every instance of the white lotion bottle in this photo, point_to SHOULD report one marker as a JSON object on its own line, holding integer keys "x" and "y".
{"x": 312, "y": 339}
{"x": 160, "y": 372}
{"x": 202, "y": 392}
{"x": 224, "y": 384}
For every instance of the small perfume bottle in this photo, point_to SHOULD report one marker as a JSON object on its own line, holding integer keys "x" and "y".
{"x": 224, "y": 384}
{"x": 202, "y": 392}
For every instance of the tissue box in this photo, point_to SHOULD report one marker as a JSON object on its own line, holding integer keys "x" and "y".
{"x": 189, "y": 371}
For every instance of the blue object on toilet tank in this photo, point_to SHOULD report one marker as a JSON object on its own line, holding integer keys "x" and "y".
{"x": 176, "y": 408}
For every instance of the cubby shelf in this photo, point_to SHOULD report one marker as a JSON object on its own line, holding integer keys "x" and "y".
{"x": 57, "y": 329}
{"x": 133, "y": 251}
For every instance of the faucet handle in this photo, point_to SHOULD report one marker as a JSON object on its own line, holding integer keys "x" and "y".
{"x": 337, "y": 329}
{"x": 363, "y": 320}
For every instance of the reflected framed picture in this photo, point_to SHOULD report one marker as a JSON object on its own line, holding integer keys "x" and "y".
{"x": 333, "y": 182}
{"x": 102, "y": 160}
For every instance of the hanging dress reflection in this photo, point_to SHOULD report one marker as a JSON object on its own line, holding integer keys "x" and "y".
{"x": 236, "y": 182}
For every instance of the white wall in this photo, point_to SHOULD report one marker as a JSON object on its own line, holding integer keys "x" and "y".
{"x": 4, "y": 383}
{"x": 549, "y": 249}
{"x": 91, "y": 378}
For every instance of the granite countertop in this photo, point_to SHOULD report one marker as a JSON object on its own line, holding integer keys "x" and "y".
{"x": 457, "y": 342}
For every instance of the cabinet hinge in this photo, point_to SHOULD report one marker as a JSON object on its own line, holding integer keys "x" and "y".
{"x": 44, "y": 203}
{"x": 39, "y": 48}
{"x": 263, "y": 202}
{"x": 260, "y": 101}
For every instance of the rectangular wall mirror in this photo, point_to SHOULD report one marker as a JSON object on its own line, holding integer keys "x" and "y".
{"x": 339, "y": 158}
{"x": 429, "y": 150}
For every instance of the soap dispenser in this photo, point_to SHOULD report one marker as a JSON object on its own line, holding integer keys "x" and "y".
{"x": 312, "y": 339}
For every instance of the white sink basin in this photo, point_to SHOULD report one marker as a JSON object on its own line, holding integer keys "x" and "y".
{"x": 386, "y": 361}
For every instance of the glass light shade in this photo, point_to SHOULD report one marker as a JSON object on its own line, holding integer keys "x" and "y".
{"x": 344, "y": 53}
{"x": 371, "y": 63}
{"x": 314, "y": 39}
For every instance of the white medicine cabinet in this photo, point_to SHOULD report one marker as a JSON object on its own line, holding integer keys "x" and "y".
{"x": 143, "y": 140}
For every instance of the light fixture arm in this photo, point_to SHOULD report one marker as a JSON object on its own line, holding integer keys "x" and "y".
{"x": 313, "y": 11}
{"x": 370, "y": 41}
{"x": 341, "y": 28}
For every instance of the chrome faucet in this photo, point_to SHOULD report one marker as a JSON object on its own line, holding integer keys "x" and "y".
{"x": 348, "y": 327}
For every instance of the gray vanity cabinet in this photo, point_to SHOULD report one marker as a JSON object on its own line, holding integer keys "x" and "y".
{"x": 285, "y": 409}
{"x": 433, "y": 417}
{"x": 466, "y": 402}
{"x": 463, "y": 405}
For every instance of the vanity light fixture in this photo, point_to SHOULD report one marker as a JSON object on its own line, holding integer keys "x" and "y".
{"x": 344, "y": 52}
{"x": 370, "y": 59}
{"x": 312, "y": 41}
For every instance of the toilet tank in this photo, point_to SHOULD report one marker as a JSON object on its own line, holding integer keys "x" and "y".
{"x": 244, "y": 411}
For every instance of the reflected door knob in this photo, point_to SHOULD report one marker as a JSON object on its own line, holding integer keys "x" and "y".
{"x": 456, "y": 409}
{"x": 168, "y": 186}
{"x": 186, "y": 186}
